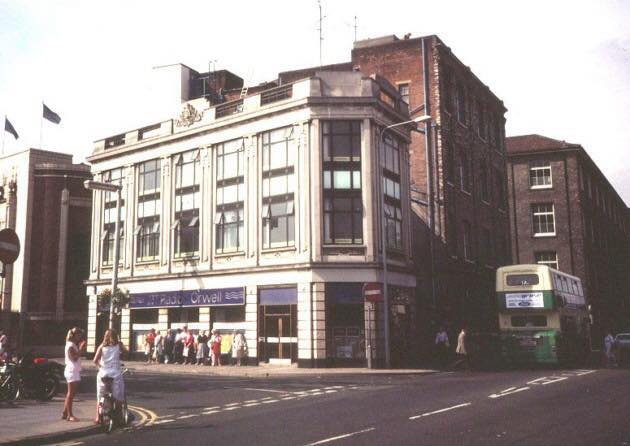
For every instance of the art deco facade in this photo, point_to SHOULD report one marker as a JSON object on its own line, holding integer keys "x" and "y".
{"x": 43, "y": 199}
{"x": 565, "y": 213}
{"x": 262, "y": 214}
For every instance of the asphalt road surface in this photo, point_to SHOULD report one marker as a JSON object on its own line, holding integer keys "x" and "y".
{"x": 533, "y": 407}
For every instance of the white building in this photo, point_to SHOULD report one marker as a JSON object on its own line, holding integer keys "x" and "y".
{"x": 262, "y": 214}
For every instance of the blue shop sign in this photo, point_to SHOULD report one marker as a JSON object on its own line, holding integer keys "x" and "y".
{"x": 193, "y": 298}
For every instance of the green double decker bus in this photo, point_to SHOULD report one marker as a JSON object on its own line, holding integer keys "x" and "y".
{"x": 543, "y": 316}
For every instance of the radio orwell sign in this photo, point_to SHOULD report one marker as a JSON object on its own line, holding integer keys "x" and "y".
{"x": 192, "y": 298}
{"x": 9, "y": 248}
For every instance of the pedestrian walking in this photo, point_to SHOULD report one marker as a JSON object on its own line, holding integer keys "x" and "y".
{"x": 159, "y": 347}
{"x": 442, "y": 346}
{"x": 75, "y": 345}
{"x": 461, "y": 350}
{"x": 239, "y": 348}
{"x": 202, "y": 348}
{"x": 609, "y": 343}
{"x": 149, "y": 345}
{"x": 215, "y": 347}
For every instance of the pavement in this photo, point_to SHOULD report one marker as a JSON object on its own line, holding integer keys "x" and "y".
{"x": 18, "y": 428}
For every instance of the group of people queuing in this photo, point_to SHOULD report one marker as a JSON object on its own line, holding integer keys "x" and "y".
{"x": 182, "y": 346}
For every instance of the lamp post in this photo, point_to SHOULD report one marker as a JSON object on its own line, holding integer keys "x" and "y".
{"x": 109, "y": 187}
{"x": 416, "y": 120}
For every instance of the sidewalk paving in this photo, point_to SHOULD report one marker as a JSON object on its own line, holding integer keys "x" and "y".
{"x": 259, "y": 371}
{"x": 34, "y": 422}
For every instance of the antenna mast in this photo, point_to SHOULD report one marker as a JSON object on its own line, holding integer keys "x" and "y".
{"x": 355, "y": 28}
{"x": 319, "y": 3}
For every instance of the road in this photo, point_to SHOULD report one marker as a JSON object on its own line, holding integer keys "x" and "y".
{"x": 533, "y": 407}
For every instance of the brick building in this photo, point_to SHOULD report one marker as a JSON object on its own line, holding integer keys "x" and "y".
{"x": 457, "y": 175}
{"x": 565, "y": 213}
{"x": 43, "y": 199}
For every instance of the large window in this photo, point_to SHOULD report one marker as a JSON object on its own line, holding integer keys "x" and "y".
{"x": 109, "y": 217}
{"x": 543, "y": 219}
{"x": 187, "y": 202}
{"x": 149, "y": 208}
{"x": 467, "y": 241}
{"x": 464, "y": 172}
{"x": 540, "y": 175}
{"x": 343, "y": 208}
{"x": 484, "y": 183}
{"x": 390, "y": 163}
{"x": 403, "y": 89}
{"x": 481, "y": 120}
{"x": 278, "y": 213}
{"x": 461, "y": 103}
{"x": 549, "y": 258}
{"x": 230, "y": 197}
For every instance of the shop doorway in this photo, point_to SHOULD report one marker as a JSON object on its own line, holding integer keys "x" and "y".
{"x": 279, "y": 333}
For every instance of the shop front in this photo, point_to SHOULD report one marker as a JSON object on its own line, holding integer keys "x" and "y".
{"x": 345, "y": 324}
{"x": 277, "y": 316}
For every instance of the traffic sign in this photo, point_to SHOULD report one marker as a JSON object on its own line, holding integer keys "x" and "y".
{"x": 372, "y": 292}
{"x": 9, "y": 246}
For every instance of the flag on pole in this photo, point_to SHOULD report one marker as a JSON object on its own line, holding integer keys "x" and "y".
{"x": 9, "y": 128}
{"x": 51, "y": 115}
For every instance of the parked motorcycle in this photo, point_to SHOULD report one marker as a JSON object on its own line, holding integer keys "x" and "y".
{"x": 8, "y": 381}
{"x": 37, "y": 378}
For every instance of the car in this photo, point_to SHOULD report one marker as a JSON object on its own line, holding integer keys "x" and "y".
{"x": 622, "y": 347}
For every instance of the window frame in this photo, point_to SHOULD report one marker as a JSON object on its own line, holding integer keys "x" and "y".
{"x": 543, "y": 214}
{"x": 548, "y": 262}
{"x": 148, "y": 227}
{"x": 223, "y": 229}
{"x": 540, "y": 166}
{"x": 186, "y": 227}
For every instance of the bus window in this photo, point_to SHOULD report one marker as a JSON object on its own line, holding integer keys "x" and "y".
{"x": 521, "y": 279}
{"x": 529, "y": 321}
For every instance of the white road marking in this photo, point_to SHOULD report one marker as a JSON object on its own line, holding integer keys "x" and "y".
{"x": 584, "y": 372}
{"x": 499, "y": 395}
{"x": 507, "y": 390}
{"x": 232, "y": 404}
{"x": 315, "y": 390}
{"x": 554, "y": 379}
{"x": 163, "y": 421}
{"x": 210, "y": 412}
{"x": 330, "y": 391}
{"x": 230, "y": 408}
{"x": 251, "y": 404}
{"x": 289, "y": 398}
{"x": 270, "y": 401}
{"x": 267, "y": 390}
{"x": 212, "y": 408}
{"x": 317, "y": 393}
{"x": 426, "y": 414}
{"x": 251, "y": 401}
{"x": 183, "y": 417}
{"x": 339, "y": 437}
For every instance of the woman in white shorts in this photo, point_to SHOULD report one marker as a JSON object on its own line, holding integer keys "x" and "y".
{"x": 74, "y": 346}
{"x": 107, "y": 359}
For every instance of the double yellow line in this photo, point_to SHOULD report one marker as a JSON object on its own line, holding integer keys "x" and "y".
{"x": 147, "y": 417}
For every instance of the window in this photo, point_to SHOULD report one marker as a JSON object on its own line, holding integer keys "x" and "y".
{"x": 486, "y": 247}
{"x": 540, "y": 175}
{"x": 343, "y": 208}
{"x": 403, "y": 89}
{"x": 549, "y": 258}
{"x": 187, "y": 202}
{"x": 500, "y": 189}
{"x": 447, "y": 88}
{"x": 278, "y": 214}
{"x": 451, "y": 230}
{"x": 149, "y": 209}
{"x": 543, "y": 219}
{"x": 481, "y": 120}
{"x": 534, "y": 320}
{"x": 467, "y": 239}
{"x": 484, "y": 181}
{"x": 230, "y": 196}
{"x": 450, "y": 167}
{"x": 522, "y": 279}
{"x": 390, "y": 163}
{"x": 114, "y": 176}
{"x": 461, "y": 103}
{"x": 464, "y": 172}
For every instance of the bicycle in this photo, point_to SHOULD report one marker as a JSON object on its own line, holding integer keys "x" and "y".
{"x": 111, "y": 412}
{"x": 8, "y": 382}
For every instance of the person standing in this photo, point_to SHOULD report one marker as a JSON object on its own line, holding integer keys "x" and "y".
{"x": 159, "y": 347}
{"x": 202, "y": 348}
{"x": 189, "y": 346}
{"x": 178, "y": 348}
{"x": 215, "y": 347}
{"x": 609, "y": 342}
{"x": 4, "y": 347}
{"x": 442, "y": 345}
{"x": 75, "y": 345}
{"x": 461, "y": 349}
{"x": 239, "y": 348}
{"x": 169, "y": 344}
{"x": 107, "y": 360}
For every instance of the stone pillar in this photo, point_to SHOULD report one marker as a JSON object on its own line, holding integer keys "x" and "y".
{"x": 311, "y": 325}
{"x": 7, "y": 289}
{"x": 374, "y": 333}
{"x": 162, "y": 320}
{"x": 125, "y": 327}
{"x": 251, "y": 319}
{"x": 316, "y": 191}
{"x": 91, "y": 323}
{"x": 204, "y": 319}
{"x": 62, "y": 251}
{"x": 369, "y": 162}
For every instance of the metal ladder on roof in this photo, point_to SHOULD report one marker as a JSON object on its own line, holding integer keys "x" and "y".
{"x": 244, "y": 92}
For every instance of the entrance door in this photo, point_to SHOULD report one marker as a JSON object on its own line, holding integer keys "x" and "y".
{"x": 279, "y": 332}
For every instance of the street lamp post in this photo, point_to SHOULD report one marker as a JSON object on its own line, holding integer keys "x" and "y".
{"x": 416, "y": 120}
{"x": 109, "y": 187}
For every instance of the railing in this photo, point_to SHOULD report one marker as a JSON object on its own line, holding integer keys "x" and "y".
{"x": 114, "y": 141}
{"x": 229, "y": 108}
{"x": 276, "y": 94}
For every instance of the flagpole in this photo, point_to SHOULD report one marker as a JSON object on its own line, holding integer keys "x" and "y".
{"x": 4, "y": 130}
{"x": 41, "y": 126}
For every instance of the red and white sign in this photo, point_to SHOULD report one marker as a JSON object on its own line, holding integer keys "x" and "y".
{"x": 372, "y": 292}
{"x": 9, "y": 246}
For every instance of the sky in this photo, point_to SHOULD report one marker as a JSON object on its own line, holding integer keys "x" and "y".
{"x": 562, "y": 68}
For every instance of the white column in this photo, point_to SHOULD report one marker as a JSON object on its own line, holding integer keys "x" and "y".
{"x": 251, "y": 319}
{"x": 204, "y": 318}
{"x": 316, "y": 191}
{"x": 129, "y": 195}
{"x": 61, "y": 253}
{"x": 125, "y": 327}
{"x": 311, "y": 324}
{"x": 91, "y": 323}
{"x": 165, "y": 214}
{"x": 205, "y": 209}
{"x": 369, "y": 162}
{"x": 162, "y": 320}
